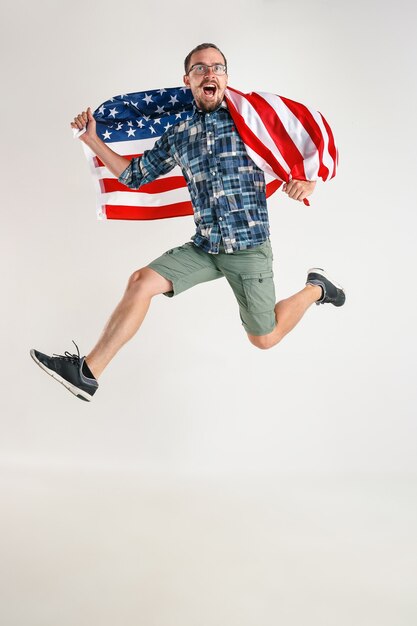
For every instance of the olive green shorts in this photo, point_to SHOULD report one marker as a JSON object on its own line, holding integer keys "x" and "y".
{"x": 248, "y": 272}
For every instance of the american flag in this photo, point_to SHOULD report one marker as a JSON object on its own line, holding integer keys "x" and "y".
{"x": 284, "y": 138}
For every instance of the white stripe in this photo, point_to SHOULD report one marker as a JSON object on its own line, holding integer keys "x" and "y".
{"x": 254, "y": 122}
{"x": 298, "y": 134}
{"x": 125, "y": 198}
{"x": 135, "y": 146}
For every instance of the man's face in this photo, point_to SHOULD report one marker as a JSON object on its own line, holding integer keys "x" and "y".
{"x": 207, "y": 89}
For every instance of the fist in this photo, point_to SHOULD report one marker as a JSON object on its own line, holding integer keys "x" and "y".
{"x": 85, "y": 120}
{"x": 299, "y": 189}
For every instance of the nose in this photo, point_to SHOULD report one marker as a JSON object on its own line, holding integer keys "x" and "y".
{"x": 210, "y": 70}
{"x": 209, "y": 75}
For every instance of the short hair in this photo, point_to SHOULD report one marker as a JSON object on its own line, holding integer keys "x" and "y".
{"x": 202, "y": 46}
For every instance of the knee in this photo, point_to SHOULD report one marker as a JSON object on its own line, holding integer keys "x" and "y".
{"x": 138, "y": 282}
{"x": 135, "y": 278}
{"x": 263, "y": 342}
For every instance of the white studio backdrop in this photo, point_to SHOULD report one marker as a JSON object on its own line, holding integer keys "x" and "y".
{"x": 189, "y": 397}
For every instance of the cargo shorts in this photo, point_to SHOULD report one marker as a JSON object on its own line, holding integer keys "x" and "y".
{"x": 248, "y": 272}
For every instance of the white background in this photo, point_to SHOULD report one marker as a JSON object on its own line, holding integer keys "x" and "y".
{"x": 210, "y": 483}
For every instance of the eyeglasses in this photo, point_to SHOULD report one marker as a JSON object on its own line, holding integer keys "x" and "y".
{"x": 202, "y": 68}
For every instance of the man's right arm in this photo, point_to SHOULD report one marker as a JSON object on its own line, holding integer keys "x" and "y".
{"x": 114, "y": 162}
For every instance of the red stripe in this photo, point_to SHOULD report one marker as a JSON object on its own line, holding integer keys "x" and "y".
{"x": 251, "y": 140}
{"x": 119, "y": 212}
{"x": 279, "y": 135}
{"x": 107, "y": 185}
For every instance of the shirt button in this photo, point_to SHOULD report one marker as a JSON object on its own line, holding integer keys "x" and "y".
{"x": 220, "y": 218}
{"x": 210, "y": 151}
{"x": 214, "y": 173}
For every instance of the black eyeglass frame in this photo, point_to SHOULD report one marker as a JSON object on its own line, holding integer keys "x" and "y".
{"x": 207, "y": 66}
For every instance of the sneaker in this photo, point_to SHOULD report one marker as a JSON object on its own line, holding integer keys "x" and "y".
{"x": 332, "y": 292}
{"x": 67, "y": 369}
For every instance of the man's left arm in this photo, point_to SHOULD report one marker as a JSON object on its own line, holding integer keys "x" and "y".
{"x": 299, "y": 189}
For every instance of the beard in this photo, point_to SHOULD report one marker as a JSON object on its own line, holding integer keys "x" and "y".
{"x": 207, "y": 107}
{"x": 208, "y": 104}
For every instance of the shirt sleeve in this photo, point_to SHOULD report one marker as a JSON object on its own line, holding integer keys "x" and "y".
{"x": 150, "y": 165}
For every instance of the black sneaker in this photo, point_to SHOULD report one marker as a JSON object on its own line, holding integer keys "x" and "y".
{"x": 332, "y": 292}
{"x": 68, "y": 370}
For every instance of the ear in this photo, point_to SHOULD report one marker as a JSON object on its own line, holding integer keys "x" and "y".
{"x": 186, "y": 80}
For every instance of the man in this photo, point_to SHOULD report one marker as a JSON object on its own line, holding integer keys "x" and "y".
{"x": 227, "y": 190}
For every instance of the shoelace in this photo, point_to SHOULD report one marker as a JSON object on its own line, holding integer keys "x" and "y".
{"x": 73, "y": 358}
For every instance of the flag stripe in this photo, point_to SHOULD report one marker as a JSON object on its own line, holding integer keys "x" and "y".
{"x": 128, "y": 212}
{"x": 127, "y": 198}
{"x": 160, "y": 185}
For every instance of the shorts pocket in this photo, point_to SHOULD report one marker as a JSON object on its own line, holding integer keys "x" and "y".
{"x": 259, "y": 291}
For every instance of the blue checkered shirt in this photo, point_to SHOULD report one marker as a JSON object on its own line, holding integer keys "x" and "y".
{"x": 227, "y": 189}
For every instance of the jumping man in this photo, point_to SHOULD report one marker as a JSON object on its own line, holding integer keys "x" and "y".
{"x": 227, "y": 191}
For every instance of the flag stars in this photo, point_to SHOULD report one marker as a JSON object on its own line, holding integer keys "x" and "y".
{"x": 153, "y": 131}
{"x": 167, "y": 126}
{"x": 119, "y": 126}
{"x": 162, "y": 91}
{"x": 147, "y": 98}
{"x": 157, "y": 120}
{"x": 101, "y": 110}
{"x": 113, "y": 112}
{"x": 160, "y": 110}
{"x": 173, "y": 99}
{"x": 139, "y": 123}
{"x": 106, "y": 135}
{"x": 131, "y": 132}
{"x": 130, "y": 123}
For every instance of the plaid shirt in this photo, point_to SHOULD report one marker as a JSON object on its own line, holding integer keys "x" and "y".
{"x": 227, "y": 189}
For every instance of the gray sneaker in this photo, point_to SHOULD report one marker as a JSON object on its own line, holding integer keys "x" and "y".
{"x": 67, "y": 369}
{"x": 332, "y": 292}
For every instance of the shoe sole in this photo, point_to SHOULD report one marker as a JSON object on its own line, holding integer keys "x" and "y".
{"x": 82, "y": 395}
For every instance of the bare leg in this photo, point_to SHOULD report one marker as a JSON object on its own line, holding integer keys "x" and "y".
{"x": 127, "y": 317}
{"x": 288, "y": 313}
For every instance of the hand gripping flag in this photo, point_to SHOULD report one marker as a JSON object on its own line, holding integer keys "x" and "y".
{"x": 286, "y": 139}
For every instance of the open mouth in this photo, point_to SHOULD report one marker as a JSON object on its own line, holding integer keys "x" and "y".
{"x": 210, "y": 90}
